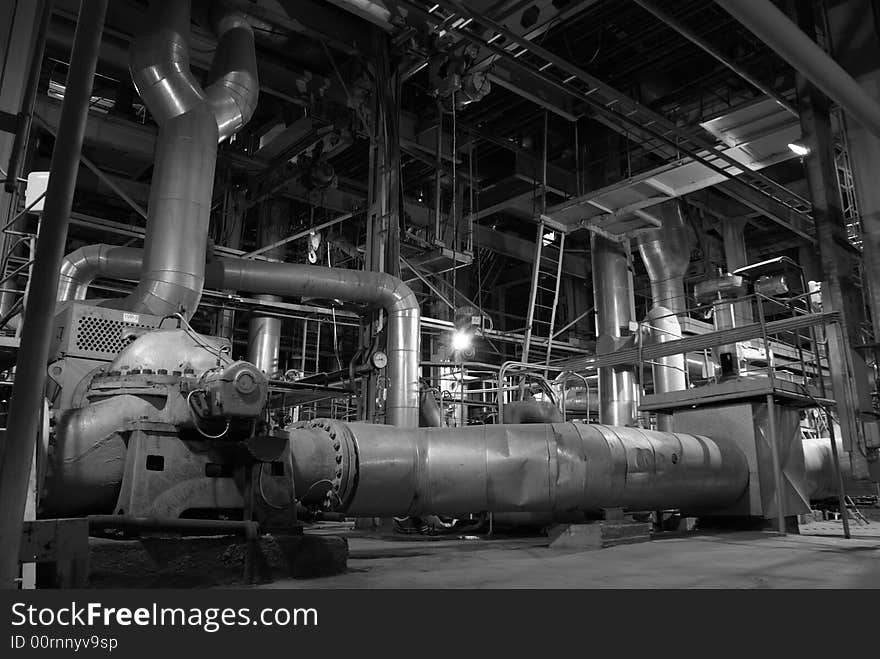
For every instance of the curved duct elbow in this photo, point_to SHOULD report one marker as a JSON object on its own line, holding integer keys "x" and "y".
{"x": 372, "y": 288}
{"x": 666, "y": 254}
{"x": 232, "y": 96}
{"x": 82, "y": 266}
{"x": 297, "y": 280}
{"x": 159, "y": 62}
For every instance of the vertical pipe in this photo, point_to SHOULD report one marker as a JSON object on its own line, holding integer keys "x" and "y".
{"x": 666, "y": 253}
{"x": 20, "y": 440}
{"x": 264, "y": 332}
{"x": 612, "y": 282}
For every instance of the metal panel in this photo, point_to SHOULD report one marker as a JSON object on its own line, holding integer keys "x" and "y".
{"x": 92, "y": 332}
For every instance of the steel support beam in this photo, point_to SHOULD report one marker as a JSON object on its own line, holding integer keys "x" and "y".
{"x": 27, "y": 396}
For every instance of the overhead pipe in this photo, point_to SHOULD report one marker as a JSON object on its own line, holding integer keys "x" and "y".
{"x": 291, "y": 280}
{"x": 613, "y": 291}
{"x": 17, "y": 449}
{"x": 191, "y": 123}
{"x": 782, "y": 35}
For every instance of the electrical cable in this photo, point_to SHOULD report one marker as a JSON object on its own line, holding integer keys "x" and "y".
{"x": 263, "y": 494}
{"x": 193, "y": 415}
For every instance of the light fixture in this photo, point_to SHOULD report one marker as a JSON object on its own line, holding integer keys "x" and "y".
{"x": 462, "y": 340}
{"x": 798, "y": 148}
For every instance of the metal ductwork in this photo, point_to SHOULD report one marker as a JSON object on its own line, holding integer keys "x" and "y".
{"x": 666, "y": 254}
{"x": 560, "y": 467}
{"x": 82, "y": 266}
{"x": 293, "y": 280}
{"x": 668, "y": 373}
{"x": 612, "y": 283}
{"x": 191, "y": 123}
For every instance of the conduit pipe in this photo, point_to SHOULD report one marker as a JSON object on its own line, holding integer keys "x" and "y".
{"x": 191, "y": 122}
{"x": 783, "y": 36}
{"x": 289, "y": 280}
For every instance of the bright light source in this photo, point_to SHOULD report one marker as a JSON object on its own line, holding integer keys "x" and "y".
{"x": 798, "y": 149}
{"x": 461, "y": 340}
{"x": 549, "y": 237}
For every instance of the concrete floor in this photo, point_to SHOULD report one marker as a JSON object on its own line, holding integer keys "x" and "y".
{"x": 818, "y": 558}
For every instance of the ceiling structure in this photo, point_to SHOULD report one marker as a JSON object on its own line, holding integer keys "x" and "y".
{"x": 598, "y": 110}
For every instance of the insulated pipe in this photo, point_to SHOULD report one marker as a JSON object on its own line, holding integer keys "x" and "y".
{"x": 233, "y": 94}
{"x": 783, "y": 36}
{"x": 612, "y": 283}
{"x": 668, "y": 372}
{"x": 82, "y": 266}
{"x": 295, "y": 280}
{"x": 173, "y": 270}
{"x": 191, "y": 122}
{"x": 531, "y": 411}
{"x": 264, "y": 332}
{"x": 27, "y": 393}
{"x": 666, "y": 254}
{"x": 560, "y": 467}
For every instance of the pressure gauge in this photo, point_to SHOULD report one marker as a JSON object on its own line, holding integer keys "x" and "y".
{"x": 379, "y": 359}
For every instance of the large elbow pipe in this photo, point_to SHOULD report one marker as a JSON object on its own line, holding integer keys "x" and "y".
{"x": 82, "y": 266}
{"x": 371, "y": 288}
{"x": 291, "y": 280}
{"x": 233, "y": 95}
{"x": 191, "y": 122}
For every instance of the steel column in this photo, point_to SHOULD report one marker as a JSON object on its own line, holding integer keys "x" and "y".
{"x": 27, "y": 396}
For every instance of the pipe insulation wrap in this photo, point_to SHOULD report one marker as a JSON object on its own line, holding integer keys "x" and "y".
{"x": 191, "y": 123}
{"x": 560, "y": 467}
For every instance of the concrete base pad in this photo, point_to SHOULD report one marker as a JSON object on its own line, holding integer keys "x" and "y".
{"x": 598, "y": 535}
{"x": 211, "y": 561}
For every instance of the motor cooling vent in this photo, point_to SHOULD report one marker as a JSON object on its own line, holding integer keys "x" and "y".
{"x": 97, "y": 334}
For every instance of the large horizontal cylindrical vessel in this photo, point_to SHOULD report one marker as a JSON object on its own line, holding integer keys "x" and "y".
{"x": 560, "y": 467}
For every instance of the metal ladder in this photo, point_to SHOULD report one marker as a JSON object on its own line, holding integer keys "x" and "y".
{"x": 655, "y": 133}
{"x": 309, "y": 345}
{"x": 544, "y": 292}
